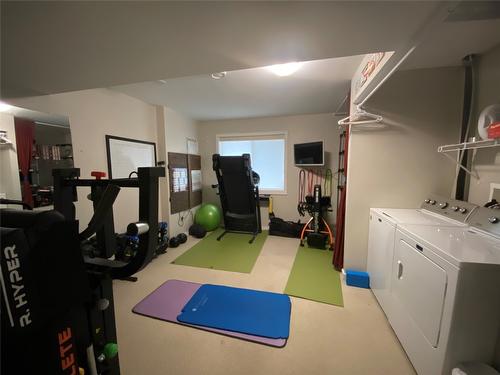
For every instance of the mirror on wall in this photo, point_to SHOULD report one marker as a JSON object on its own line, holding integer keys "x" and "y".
{"x": 32, "y": 143}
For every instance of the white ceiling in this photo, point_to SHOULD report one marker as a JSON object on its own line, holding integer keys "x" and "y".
{"x": 317, "y": 87}
{"x": 451, "y": 41}
{"x": 58, "y": 46}
{"x": 39, "y": 117}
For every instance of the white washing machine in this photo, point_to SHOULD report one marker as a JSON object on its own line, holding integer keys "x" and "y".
{"x": 435, "y": 211}
{"x": 445, "y": 292}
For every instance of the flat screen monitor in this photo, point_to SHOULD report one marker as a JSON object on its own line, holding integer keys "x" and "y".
{"x": 309, "y": 154}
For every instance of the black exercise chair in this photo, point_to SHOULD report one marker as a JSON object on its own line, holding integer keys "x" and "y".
{"x": 239, "y": 194}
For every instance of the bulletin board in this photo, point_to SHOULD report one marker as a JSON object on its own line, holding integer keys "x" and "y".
{"x": 195, "y": 186}
{"x": 184, "y": 181}
{"x": 178, "y": 177}
{"x": 125, "y": 155}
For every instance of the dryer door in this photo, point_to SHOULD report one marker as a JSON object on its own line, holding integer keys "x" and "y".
{"x": 419, "y": 288}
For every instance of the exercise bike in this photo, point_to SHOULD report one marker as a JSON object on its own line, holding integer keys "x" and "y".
{"x": 57, "y": 313}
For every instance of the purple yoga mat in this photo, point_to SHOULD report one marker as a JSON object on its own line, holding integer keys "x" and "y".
{"x": 167, "y": 301}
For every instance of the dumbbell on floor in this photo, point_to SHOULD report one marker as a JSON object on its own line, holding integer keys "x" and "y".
{"x": 177, "y": 240}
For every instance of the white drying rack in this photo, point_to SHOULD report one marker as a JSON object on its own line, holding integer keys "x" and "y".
{"x": 472, "y": 145}
{"x": 360, "y": 116}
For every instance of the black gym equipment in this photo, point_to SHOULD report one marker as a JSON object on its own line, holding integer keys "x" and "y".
{"x": 173, "y": 242}
{"x": 182, "y": 238}
{"x": 196, "y": 230}
{"x": 317, "y": 230}
{"x": 57, "y": 311}
{"x": 239, "y": 194}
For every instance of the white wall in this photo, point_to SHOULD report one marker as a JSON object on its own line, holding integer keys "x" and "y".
{"x": 92, "y": 115}
{"x": 303, "y": 128}
{"x": 178, "y": 129}
{"x": 398, "y": 165}
{"x": 487, "y": 161}
{"x": 9, "y": 167}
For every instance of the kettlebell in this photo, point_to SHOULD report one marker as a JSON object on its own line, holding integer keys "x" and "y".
{"x": 174, "y": 242}
{"x": 182, "y": 238}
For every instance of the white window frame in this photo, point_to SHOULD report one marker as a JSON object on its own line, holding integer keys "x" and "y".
{"x": 283, "y": 134}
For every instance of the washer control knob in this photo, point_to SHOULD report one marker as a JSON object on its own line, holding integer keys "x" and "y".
{"x": 432, "y": 202}
{"x": 443, "y": 205}
{"x": 454, "y": 208}
{"x": 493, "y": 219}
{"x": 462, "y": 210}
{"x": 427, "y": 200}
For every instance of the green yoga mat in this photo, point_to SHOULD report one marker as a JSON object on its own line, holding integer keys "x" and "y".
{"x": 231, "y": 253}
{"x": 313, "y": 277}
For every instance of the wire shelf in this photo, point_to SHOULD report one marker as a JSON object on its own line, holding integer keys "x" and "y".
{"x": 470, "y": 145}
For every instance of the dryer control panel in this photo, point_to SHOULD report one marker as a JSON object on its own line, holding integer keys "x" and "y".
{"x": 452, "y": 208}
{"x": 486, "y": 219}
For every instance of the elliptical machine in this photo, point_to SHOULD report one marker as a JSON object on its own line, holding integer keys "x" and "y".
{"x": 57, "y": 310}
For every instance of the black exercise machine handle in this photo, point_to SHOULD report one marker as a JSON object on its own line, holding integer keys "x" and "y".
{"x": 100, "y": 213}
{"x": 12, "y": 201}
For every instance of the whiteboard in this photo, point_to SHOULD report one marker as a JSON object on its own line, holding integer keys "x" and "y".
{"x": 126, "y": 155}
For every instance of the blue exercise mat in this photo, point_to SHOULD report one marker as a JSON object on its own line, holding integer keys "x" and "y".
{"x": 247, "y": 311}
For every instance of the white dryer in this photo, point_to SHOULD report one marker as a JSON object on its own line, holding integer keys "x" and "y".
{"x": 434, "y": 211}
{"x": 445, "y": 292}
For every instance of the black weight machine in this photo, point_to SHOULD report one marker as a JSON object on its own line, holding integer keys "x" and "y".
{"x": 57, "y": 310}
{"x": 239, "y": 194}
{"x": 316, "y": 230}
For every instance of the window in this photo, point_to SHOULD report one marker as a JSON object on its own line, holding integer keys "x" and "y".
{"x": 267, "y": 153}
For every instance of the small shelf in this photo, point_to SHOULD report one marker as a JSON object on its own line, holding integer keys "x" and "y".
{"x": 470, "y": 145}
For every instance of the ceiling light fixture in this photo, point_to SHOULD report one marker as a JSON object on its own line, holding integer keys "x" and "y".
{"x": 4, "y": 107}
{"x": 219, "y": 75}
{"x": 283, "y": 70}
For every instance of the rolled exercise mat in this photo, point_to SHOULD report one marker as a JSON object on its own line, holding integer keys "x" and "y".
{"x": 167, "y": 301}
{"x": 240, "y": 310}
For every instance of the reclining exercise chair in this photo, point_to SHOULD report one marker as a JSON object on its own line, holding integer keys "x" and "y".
{"x": 239, "y": 194}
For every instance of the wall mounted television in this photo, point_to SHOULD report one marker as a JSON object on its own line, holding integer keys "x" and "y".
{"x": 309, "y": 154}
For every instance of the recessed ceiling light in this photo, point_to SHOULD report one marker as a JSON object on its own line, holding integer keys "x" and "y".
{"x": 219, "y": 75}
{"x": 162, "y": 81}
{"x": 283, "y": 70}
{"x": 4, "y": 107}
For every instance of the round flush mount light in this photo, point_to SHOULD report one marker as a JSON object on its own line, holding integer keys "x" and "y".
{"x": 283, "y": 70}
{"x": 219, "y": 75}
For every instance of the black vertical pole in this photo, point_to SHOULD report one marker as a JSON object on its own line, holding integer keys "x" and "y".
{"x": 461, "y": 191}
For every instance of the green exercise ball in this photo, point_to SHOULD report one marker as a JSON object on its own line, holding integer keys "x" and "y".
{"x": 208, "y": 216}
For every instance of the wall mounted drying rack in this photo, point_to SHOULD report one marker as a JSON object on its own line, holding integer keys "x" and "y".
{"x": 472, "y": 145}
{"x": 360, "y": 116}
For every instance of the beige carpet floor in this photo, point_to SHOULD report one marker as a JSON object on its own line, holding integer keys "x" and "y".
{"x": 324, "y": 339}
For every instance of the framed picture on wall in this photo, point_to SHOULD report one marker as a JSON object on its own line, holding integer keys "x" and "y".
{"x": 125, "y": 155}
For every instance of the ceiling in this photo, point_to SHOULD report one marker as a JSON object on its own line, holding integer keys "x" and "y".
{"x": 39, "y": 117}
{"x": 317, "y": 87}
{"x": 59, "y": 46}
{"x": 52, "y": 47}
{"x": 451, "y": 41}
